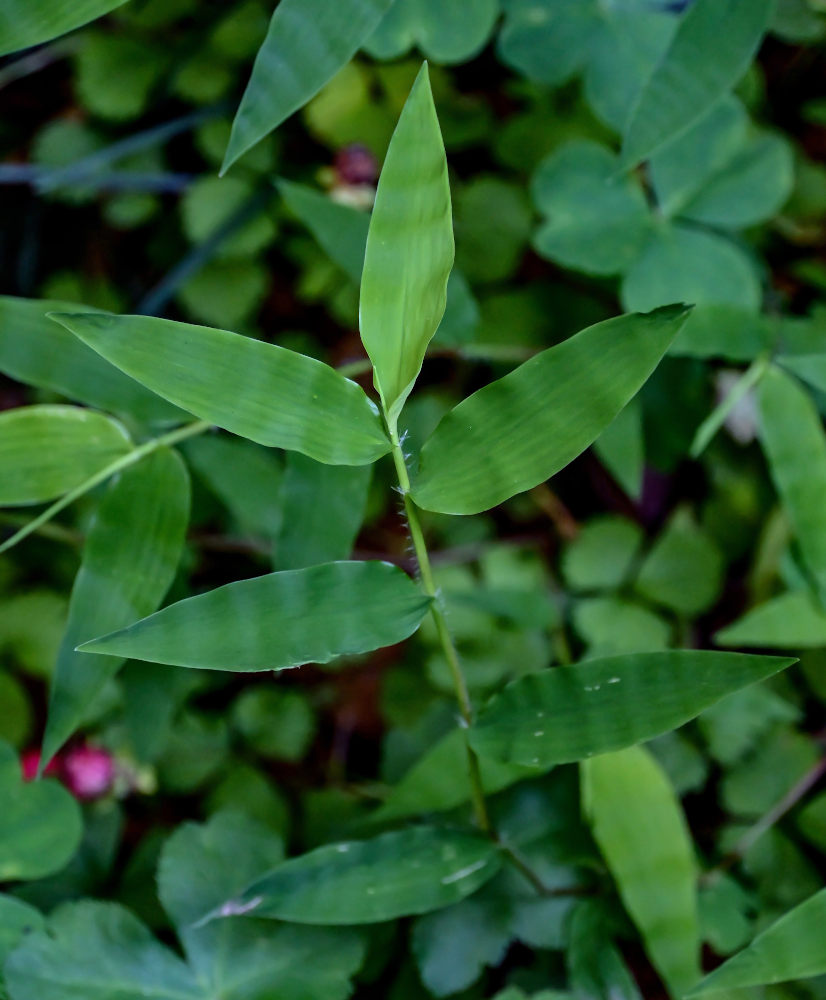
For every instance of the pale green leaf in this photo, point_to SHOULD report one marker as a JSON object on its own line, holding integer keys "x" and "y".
{"x": 790, "y": 621}
{"x": 271, "y": 395}
{"x": 37, "y": 351}
{"x": 409, "y": 251}
{"x": 46, "y": 451}
{"x": 279, "y": 620}
{"x": 600, "y": 556}
{"x": 640, "y": 828}
{"x": 362, "y": 882}
{"x": 792, "y": 435}
{"x": 792, "y": 948}
{"x": 711, "y": 49}
{"x": 612, "y": 625}
{"x": 524, "y": 428}
{"x": 445, "y": 33}
{"x": 129, "y": 560}
{"x": 809, "y": 367}
{"x": 24, "y": 23}
{"x": 307, "y": 43}
{"x": 569, "y": 713}
{"x": 40, "y": 823}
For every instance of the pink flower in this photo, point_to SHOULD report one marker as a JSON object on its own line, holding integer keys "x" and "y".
{"x": 88, "y": 772}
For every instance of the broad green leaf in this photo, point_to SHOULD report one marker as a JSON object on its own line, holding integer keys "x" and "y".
{"x": 792, "y": 948}
{"x": 363, "y": 882}
{"x": 809, "y": 367}
{"x": 569, "y": 713}
{"x": 46, "y": 451}
{"x": 444, "y": 33}
{"x": 792, "y": 435}
{"x": 322, "y": 513}
{"x": 307, "y": 43}
{"x": 524, "y": 428}
{"x": 640, "y": 828}
{"x": 97, "y": 951}
{"x": 790, "y": 621}
{"x": 611, "y": 625}
{"x": 24, "y": 23}
{"x": 40, "y": 823}
{"x": 711, "y": 49}
{"x": 279, "y": 620}
{"x": 37, "y": 351}
{"x": 409, "y": 251}
{"x": 16, "y": 920}
{"x": 129, "y": 560}
{"x": 271, "y": 395}
{"x": 621, "y": 449}
{"x": 600, "y": 557}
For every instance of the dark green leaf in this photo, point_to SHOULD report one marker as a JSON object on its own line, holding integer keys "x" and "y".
{"x": 524, "y": 428}
{"x": 363, "y": 882}
{"x": 308, "y": 42}
{"x": 16, "y": 919}
{"x": 46, "y": 451}
{"x": 569, "y": 713}
{"x": 594, "y": 964}
{"x": 129, "y": 560}
{"x": 409, "y": 251}
{"x": 271, "y": 395}
{"x": 24, "y": 23}
{"x": 279, "y": 620}
{"x": 712, "y": 48}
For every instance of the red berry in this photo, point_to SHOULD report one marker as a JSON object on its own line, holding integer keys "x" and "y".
{"x": 30, "y": 761}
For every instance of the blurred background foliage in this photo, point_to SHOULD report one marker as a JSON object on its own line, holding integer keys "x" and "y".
{"x": 111, "y": 139}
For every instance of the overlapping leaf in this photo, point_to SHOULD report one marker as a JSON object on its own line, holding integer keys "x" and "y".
{"x": 444, "y": 33}
{"x": 266, "y": 393}
{"x": 570, "y": 713}
{"x": 307, "y": 43}
{"x": 409, "y": 251}
{"x": 46, "y": 451}
{"x": 24, "y": 23}
{"x": 518, "y": 431}
{"x": 279, "y": 620}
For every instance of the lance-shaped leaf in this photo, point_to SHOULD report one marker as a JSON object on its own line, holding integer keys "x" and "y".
{"x": 129, "y": 560}
{"x": 271, "y": 395}
{"x": 518, "y": 431}
{"x": 792, "y": 948}
{"x": 307, "y": 43}
{"x": 409, "y": 251}
{"x": 366, "y": 881}
{"x": 711, "y": 49}
{"x": 791, "y": 621}
{"x": 569, "y": 713}
{"x": 640, "y": 828}
{"x": 35, "y": 350}
{"x": 24, "y": 23}
{"x": 791, "y": 432}
{"x": 45, "y": 451}
{"x": 279, "y": 620}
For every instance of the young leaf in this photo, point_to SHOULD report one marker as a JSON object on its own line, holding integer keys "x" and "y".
{"x": 46, "y": 451}
{"x": 524, "y": 428}
{"x": 363, "y": 882}
{"x": 790, "y": 621}
{"x": 40, "y": 823}
{"x": 640, "y": 828}
{"x": 24, "y": 23}
{"x": 792, "y": 948}
{"x": 712, "y": 48}
{"x": 307, "y": 43}
{"x": 129, "y": 560}
{"x": 409, "y": 251}
{"x": 37, "y": 351}
{"x": 569, "y": 713}
{"x": 271, "y": 395}
{"x": 792, "y": 435}
{"x": 277, "y": 621}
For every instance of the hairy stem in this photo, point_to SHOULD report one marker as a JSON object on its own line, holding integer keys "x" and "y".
{"x": 173, "y": 437}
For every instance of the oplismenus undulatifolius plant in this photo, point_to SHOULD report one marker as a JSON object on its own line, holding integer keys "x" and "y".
{"x": 531, "y": 813}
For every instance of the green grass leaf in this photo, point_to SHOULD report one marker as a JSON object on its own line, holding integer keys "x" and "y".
{"x": 279, "y": 620}
{"x": 271, "y": 395}
{"x": 569, "y": 713}
{"x": 129, "y": 560}
{"x": 24, "y": 23}
{"x": 640, "y": 828}
{"x": 524, "y": 428}
{"x": 409, "y": 251}
{"x": 46, "y": 451}
{"x": 307, "y": 43}
{"x": 792, "y": 948}
{"x": 362, "y": 882}
{"x": 712, "y": 48}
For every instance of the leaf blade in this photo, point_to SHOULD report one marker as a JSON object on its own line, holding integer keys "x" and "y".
{"x": 24, "y": 23}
